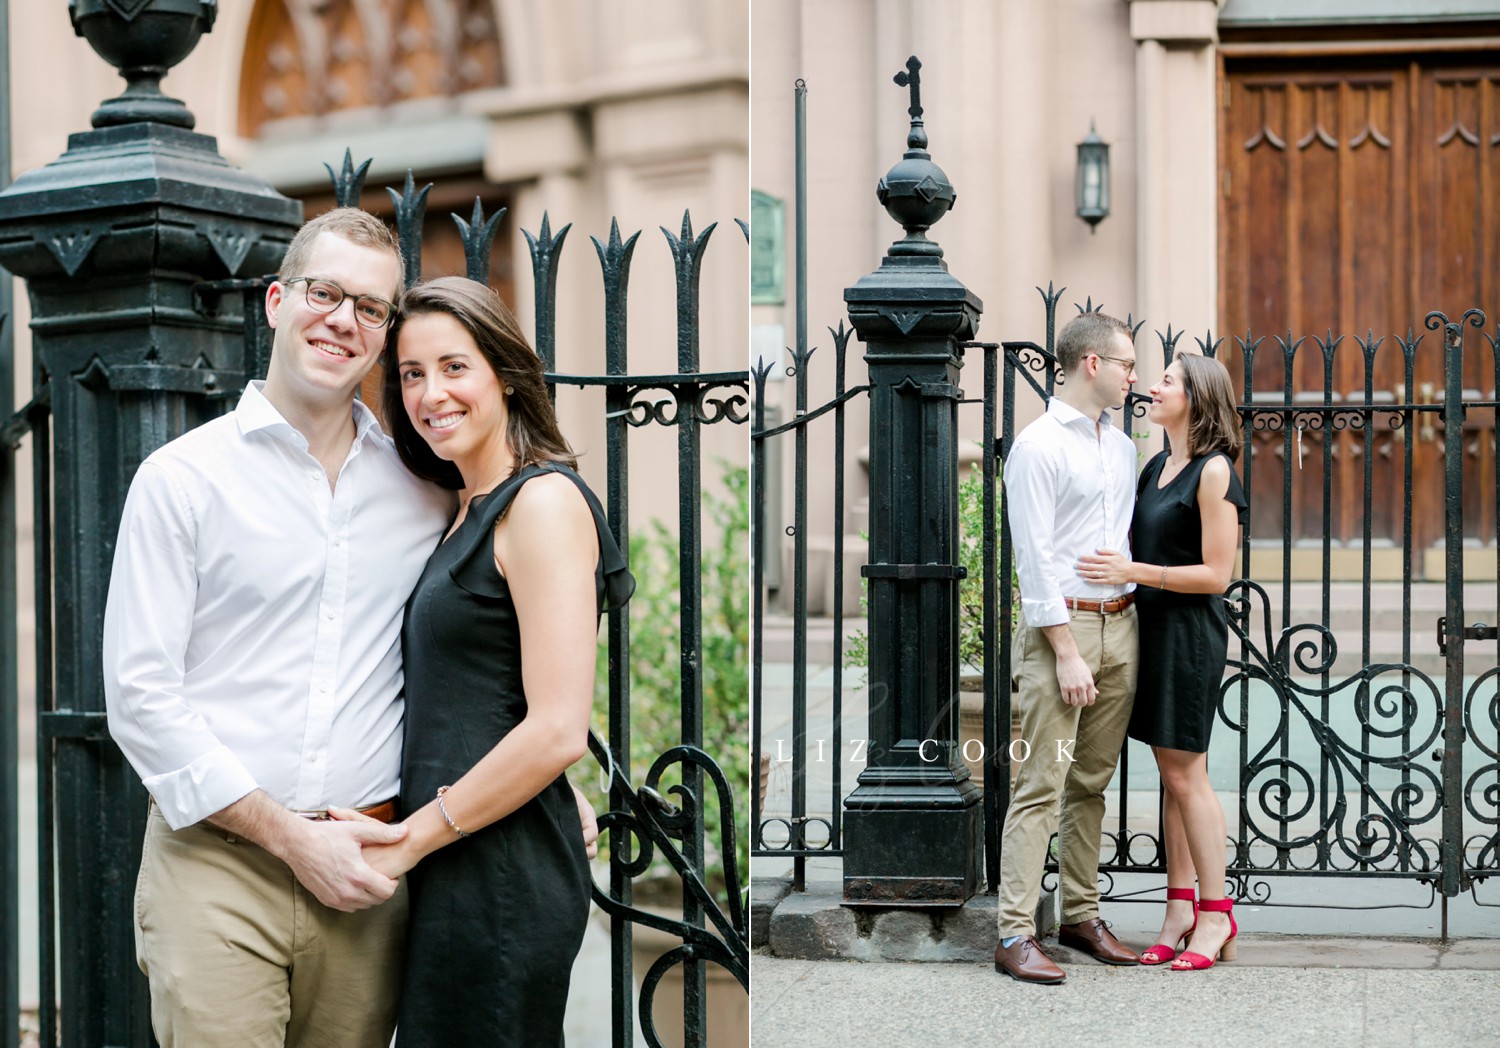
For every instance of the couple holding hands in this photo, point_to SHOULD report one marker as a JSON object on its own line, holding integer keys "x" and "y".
{"x": 1124, "y": 632}
{"x": 319, "y": 625}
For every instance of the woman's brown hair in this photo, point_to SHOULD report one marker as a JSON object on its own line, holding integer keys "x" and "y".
{"x": 1213, "y": 423}
{"x": 531, "y": 429}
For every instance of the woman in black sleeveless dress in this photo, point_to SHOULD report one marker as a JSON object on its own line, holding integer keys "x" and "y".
{"x": 499, "y": 643}
{"x": 1188, "y": 508}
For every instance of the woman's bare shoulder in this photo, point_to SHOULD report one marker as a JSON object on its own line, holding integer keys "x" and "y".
{"x": 550, "y": 509}
{"x": 1213, "y": 482}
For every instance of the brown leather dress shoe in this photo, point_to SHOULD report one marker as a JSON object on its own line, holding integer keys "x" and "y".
{"x": 1094, "y": 938}
{"x": 1025, "y": 962}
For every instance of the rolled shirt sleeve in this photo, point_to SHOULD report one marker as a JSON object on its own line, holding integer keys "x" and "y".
{"x": 1031, "y": 483}
{"x": 147, "y": 621}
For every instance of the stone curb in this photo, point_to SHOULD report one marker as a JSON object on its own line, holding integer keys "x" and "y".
{"x": 815, "y": 925}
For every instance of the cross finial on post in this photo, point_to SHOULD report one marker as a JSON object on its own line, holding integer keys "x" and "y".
{"x": 911, "y": 78}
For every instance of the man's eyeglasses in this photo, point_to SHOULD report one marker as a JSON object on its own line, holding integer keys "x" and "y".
{"x": 325, "y": 296}
{"x": 1128, "y": 365}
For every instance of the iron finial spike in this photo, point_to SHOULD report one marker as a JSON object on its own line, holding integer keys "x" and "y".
{"x": 478, "y": 235}
{"x": 410, "y": 209}
{"x": 349, "y": 183}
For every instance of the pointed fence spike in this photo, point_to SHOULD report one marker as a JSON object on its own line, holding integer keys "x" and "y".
{"x": 349, "y": 183}
{"x": 478, "y": 235}
{"x": 411, "y": 212}
{"x": 546, "y": 253}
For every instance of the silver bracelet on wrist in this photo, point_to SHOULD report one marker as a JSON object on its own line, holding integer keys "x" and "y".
{"x": 446, "y": 817}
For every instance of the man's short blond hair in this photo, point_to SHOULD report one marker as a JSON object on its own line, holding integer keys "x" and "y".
{"x": 1088, "y": 333}
{"x": 356, "y": 226}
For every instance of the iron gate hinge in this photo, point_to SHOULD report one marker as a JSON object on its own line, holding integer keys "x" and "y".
{"x": 914, "y": 571}
{"x": 1478, "y": 631}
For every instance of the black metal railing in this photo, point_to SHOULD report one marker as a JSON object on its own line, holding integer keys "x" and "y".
{"x": 787, "y": 834}
{"x": 33, "y": 421}
{"x": 1374, "y": 768}
{"x": 645, "y": 819}
{"x": 1368, "y": 807}
{"x": 13, "y": 432}
{"x": 641, "y": 821}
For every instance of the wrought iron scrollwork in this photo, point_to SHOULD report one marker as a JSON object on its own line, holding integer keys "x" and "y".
{"x": 705, "y": 402}
{"x": 1481, "y": 790}
{"x": 653, "y": 823}
{"x": 1393, "y": 703}
{"x": 1276, "y": 418}
{"x": 1028, "y": 359}
{"x": 797, "y": 838}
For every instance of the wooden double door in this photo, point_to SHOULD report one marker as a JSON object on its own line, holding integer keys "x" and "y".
{"x": 1358, "y": 194}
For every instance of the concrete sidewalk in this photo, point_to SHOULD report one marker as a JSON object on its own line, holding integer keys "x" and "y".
{"x": 1307, "y": 971}
{"x": 1330, "y": 961}
{"x": 836, "y": 1004}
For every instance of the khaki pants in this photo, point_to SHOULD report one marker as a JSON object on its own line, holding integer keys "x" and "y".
{"x": 238, "y": 953}
{"x": 1093, "y": 736}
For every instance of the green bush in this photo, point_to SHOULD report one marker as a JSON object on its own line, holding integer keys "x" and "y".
{"x": 655, "y": 666}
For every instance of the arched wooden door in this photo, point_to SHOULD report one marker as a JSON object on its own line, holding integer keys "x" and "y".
{"x": 1359, "y": 193}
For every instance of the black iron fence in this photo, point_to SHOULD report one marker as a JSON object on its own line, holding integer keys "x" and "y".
{"x": 644, "y": 819}
{"x": 1365, "y": 766}
{"x": 1386, "y": 766}
{"x": 1378, "y": 764}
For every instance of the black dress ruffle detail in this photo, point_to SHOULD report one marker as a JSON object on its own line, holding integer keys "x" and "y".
{"x": 474, "y": 569}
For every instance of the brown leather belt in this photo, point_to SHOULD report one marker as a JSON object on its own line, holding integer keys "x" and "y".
{"x": 383, "y": 812}
{"x": 1105, "y": 607}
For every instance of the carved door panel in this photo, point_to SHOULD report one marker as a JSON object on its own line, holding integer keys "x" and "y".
{"x": 1358, "y": 196}
{"x": 1456, "y": 252}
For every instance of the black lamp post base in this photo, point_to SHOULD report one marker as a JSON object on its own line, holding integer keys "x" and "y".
{"x": 914, "y": 856}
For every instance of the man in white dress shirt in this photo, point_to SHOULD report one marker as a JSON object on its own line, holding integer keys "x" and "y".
{"x": 252, "y": 657}
{"x": 1069, "y": 490}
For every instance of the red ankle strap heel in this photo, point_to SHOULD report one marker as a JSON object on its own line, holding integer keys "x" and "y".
{"x": 1193, "y": 962}
{"x": 1161, "y": 953}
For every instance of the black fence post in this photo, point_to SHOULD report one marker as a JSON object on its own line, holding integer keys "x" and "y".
{"x": 111, "y": 239}
{"x": 913, "y": 826}
{"x": 10, "y": 720}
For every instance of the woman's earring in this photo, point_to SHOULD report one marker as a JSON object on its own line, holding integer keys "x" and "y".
{"x": 510, "y": 391}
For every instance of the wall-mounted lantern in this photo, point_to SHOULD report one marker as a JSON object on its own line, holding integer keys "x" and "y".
{"x": 1091, "y": 192}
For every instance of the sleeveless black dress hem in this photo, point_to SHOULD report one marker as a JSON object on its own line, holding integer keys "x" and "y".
{"x": 496, "y": 919}
{"x": 1184, "y": 637}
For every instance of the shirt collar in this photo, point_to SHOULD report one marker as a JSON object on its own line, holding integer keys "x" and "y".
{"x": 254, "y": 412}
{"x": 1067, "y": 415}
